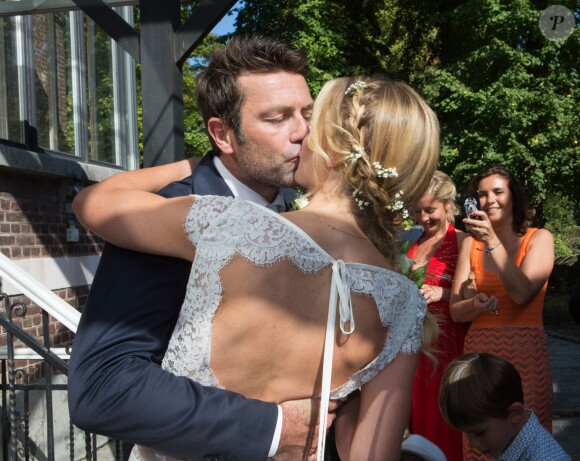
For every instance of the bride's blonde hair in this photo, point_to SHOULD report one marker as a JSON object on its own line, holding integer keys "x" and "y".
{"x": 363, "y": 124}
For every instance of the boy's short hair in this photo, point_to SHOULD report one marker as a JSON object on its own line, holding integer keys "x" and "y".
{"x": 476, "y": 387}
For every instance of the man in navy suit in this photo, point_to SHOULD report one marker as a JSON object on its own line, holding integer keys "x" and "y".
{"x": 256, "y": 106}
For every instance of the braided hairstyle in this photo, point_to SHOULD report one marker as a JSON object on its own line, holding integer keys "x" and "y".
{"x": 361, "y": 128}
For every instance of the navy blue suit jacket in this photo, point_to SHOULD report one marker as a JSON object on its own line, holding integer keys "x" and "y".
{"x": 116, "y": 386}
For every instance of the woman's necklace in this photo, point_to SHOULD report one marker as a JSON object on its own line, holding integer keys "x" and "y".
{"x": 340, "y": 230}
{"x": 426, "y": 249}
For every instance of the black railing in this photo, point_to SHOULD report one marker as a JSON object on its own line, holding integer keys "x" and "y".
{"x": 32, "y": 374}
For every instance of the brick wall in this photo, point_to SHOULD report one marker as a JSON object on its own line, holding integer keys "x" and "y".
{"x": 33, "y": 223}
{"x": 33, "y": 220}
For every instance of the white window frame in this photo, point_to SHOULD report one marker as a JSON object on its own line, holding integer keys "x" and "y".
{"x": 124, "y": 93}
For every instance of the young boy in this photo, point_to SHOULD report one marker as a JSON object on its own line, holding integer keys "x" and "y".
{"x": 481, "y": 395}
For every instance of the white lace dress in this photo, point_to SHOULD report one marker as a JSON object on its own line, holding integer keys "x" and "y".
{"x": 223, "y": 227}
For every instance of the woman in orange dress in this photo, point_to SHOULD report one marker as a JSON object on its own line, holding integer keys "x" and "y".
{"x": 506, "y": 264}
{"x": 437, "y": 249}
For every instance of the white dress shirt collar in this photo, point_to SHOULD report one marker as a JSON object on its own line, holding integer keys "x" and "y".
{"x": 240, "y": 190}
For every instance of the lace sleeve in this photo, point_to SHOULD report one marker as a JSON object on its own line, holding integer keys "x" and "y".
{"x": 418, "y": 305}
{"x": 204, "y": 209}
{"x": 401, "y": 306}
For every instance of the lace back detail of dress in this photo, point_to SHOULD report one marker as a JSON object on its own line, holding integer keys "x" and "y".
{"x": 222, "y": 228}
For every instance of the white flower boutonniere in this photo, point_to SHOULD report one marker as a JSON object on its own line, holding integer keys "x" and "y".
{"x": 300, "y": 202}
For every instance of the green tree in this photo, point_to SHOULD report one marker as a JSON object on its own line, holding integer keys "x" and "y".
{"x": 335, "y": 34}
{"x": 503, "y": 92}
{"x": 195, "y": 136}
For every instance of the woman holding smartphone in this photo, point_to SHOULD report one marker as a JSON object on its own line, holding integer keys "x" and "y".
{"x": 509, "y": 263}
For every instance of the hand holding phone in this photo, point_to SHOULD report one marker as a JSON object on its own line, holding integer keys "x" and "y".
{"x": 471, "y": 204}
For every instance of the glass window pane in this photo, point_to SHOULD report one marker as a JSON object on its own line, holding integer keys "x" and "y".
{"x": 53, "y": 93}
{"x": 62, "y": 74}
{"x": 10, "y": 126}
{"x": 100, "y": 98}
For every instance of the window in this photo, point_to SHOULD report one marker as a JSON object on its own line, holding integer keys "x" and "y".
{"x": 66, "y": 87}
{"x": 52, "y": 82}
{"x": 10, "y": 126}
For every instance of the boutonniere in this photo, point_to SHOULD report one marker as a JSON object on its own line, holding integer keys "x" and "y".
{"x": 301, "y": 200}
{"x": 406, "y": 264}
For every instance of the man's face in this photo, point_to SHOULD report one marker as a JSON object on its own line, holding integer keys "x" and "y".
{"x": 274, "y": 122}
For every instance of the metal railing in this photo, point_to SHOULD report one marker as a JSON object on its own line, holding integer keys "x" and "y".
{"x": 34, "y": 419}
{"x": 38, "y": 293}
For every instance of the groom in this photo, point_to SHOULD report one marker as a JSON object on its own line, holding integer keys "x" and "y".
{"x": 256, "y": 106}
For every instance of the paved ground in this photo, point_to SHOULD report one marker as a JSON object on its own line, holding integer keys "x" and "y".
{"x": 564, "y": 353}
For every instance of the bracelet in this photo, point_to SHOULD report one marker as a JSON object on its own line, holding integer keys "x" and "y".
{"x": 487, "y": 251}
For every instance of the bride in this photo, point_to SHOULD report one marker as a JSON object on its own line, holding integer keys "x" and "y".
{"x": 264, "y": 287}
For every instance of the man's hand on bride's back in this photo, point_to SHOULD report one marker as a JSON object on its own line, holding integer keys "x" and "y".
{"x": 300, "y": 429}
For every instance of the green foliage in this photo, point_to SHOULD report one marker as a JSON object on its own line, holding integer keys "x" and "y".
{"x": 195, "y": 138}
{"x": 559, "y": 215}
{"x": 507, "y": 95}
{"x": 333, "y": 33}
{"x": 504, "y": 93}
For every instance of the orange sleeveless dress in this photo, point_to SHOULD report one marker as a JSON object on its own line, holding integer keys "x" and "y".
{"x": 515, "y": 333}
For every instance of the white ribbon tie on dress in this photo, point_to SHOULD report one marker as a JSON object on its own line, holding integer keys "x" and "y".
{"x": 339, "y": 294}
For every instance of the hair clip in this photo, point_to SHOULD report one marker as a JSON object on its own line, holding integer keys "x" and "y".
{"x": 355, "y": 88}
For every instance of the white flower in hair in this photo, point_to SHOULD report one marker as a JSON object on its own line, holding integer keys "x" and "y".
{"x": 355, "y": 88}
{"x": 357, "y": 153}
{"x": 398, "y": 205}
{"x": 362, "y": 204}
{"x": 385, "y": 172}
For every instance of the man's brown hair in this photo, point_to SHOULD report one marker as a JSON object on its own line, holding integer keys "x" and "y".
{"x": 218, "y": 94}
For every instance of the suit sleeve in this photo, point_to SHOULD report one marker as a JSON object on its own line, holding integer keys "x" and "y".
{"x": 118, "y": 389}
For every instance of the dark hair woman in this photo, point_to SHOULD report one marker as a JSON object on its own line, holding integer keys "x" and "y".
{"x": 509, "y": 263}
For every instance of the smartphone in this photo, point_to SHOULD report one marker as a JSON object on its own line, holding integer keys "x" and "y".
{"x": 471, "y": 204}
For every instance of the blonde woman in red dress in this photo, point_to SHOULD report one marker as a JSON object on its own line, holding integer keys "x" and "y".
{"x": 510, "y": 263}
{"x": 437, "y": 249}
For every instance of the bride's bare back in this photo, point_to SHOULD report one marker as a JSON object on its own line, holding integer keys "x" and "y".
{"x": 268, "y": 333}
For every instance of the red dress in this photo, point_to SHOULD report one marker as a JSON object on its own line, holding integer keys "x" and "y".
{"x": 426, "y": 419}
